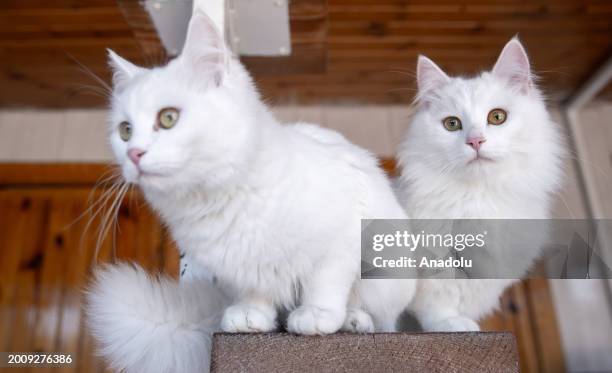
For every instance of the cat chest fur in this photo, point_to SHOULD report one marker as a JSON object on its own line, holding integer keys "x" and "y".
{"x": 259, "y": 245}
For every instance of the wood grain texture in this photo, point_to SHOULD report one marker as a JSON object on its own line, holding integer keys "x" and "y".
{"x": 545, "y": 326}
{"x": 52, "y": 174}
{"x": 46, "y": 46}
{"x": 395, "y": 352}
{"x": 360, "y": 51}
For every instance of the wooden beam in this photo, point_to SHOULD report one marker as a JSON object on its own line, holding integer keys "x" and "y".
{"x": 304, "y": 59}
{"x": 389, "y": 352}
{"x": 51, "y": 174}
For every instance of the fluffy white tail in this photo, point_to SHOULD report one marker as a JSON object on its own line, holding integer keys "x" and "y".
{"x": 145, "y": 323}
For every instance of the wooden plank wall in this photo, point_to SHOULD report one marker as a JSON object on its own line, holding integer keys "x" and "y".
{"x": 344, "y": 50}
{"x": 46, "y": 258}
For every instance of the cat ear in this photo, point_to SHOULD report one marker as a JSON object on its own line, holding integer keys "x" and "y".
{"x": 205, "y": 50}
{"x": 123, "y": 70}
{"x": 513, "y": 65}
{"x": 429, "y": 76}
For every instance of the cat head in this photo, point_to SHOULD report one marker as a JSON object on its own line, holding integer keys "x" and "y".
{"x": 189, "y": 122}
{"x": 480, "y": 124}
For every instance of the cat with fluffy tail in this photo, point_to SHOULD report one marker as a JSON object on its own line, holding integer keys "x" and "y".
{"x": 477, "y": 148}
{"x": 273, "y": 211}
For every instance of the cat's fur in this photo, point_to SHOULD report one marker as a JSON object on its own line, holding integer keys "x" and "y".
{"x": 151, "y": 324}
{"x": 440, "y": 180}
{"x": 272, "y": 210}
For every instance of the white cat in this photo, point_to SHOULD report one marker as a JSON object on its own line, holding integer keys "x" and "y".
{"x": 482, "y": 147}
{"x": 273, "y": 211}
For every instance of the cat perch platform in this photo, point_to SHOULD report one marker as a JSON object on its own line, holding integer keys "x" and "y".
{"x": 393, "y": 352}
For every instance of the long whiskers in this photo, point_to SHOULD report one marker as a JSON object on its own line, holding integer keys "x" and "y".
{"x": 104, "y": 180}
{"x": 109, "y": 217}
{"x": 92, "y": 90}
{"x": 104, "y": 205}
{"x": 102, "y": 83}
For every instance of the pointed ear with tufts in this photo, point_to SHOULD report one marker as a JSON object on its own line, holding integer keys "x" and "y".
{"x": 513, "y": 66}
{"x": 205, "y": 52}
{"x": 123, "y": 70}
{"x": 429, "y": 76}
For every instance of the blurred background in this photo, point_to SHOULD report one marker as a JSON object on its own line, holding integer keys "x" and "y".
{"x": 345, "y": 64}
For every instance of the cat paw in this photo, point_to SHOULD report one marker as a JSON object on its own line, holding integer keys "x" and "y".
{"x": 246, "y": 319}
{"x": 310, "y": 320}
{"x": 358, "y": 321}
{"x": 455, "y": 324}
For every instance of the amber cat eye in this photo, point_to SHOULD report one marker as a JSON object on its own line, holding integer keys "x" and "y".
{"x": 497, "y": 116}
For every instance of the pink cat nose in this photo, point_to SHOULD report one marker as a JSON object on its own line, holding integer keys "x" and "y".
{"x": 476, "y": 142}
{"x": 135, "y": 154}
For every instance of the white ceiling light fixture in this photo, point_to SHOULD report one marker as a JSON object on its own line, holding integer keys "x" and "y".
{"x": 251, "y": 27}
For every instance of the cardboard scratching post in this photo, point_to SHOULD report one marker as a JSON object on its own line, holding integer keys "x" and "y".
{"x": 393, "y": 352}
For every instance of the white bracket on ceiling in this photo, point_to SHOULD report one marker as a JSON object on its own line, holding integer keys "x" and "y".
{"x": 259, "y": 27}
{"x": 251, "y": 27}
{"x": 170, "y": 19}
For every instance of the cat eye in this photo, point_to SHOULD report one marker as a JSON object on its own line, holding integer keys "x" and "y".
{"x": 125, "y": 131}
{"x": 167, "y": 117}
{"x": 497, "y": 117}
{"x": 452, "y": 123}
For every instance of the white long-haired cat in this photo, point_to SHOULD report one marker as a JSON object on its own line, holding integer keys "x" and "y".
{"x": 483, "y": 147}
{"x": 273, "y": 211}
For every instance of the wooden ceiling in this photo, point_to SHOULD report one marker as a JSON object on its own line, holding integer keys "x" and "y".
{"x": 358, "y": 51}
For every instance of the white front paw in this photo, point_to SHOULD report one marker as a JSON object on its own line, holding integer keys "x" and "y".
{"x": 358, "y": 321}
{"x": 311, "y": 320}
{"x": 247, "y": 319}
{"x": 455, "y": 324}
